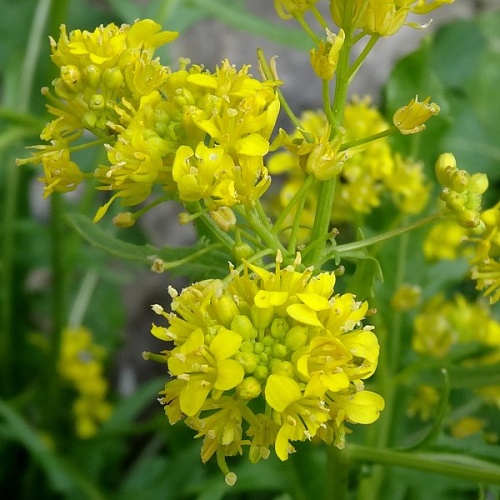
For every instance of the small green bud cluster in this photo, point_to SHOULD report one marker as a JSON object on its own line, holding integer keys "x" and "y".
{"x": 462, "y": 192}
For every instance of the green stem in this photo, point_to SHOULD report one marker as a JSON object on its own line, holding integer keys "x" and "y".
{"x": 271, "y": 77}
{"x": 356, "y": 245}
{"x": 370, "y": 138}
{"x": 327, "y": 188}
{"x": 360, "y": 59}
{"x": 447, "y": 464}
{"x": 305, "y": 26}
{"x": 296, "y": 198}
{"x": 207, "y": 224}
{"x": 390, "y": 344}
{"x": 336, "y": 486}
{"x": 258, "y": 221}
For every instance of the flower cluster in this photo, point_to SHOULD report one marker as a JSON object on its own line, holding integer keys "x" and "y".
{"x": 445, "y": 327}
{"x": 462, "y": 192}
{"x": 80, "y": 363}
{"x": 364, "y": 172}
{"x": 201, "y": 136}
{"x": 381, "y": 18}
{"x": 275, "y": 356}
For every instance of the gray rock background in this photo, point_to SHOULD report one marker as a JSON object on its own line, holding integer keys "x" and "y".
{"x": 208, "y": 42}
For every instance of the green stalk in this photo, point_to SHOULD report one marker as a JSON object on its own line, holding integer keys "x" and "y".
{"x": 356, "y": 245}
{"x": 447, "y": 464}
{"x": 370, "y": 138}
{"x": 390, "y": 343}
{"x": 297, "y": 197}
{"x": 259, "y": 222}
{"x": 327, "y": 188}
{"x": 336, "y": 486}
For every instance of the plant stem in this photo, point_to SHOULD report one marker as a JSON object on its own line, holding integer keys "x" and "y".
{"x": 338, "y": 474}
{"x": 356, "y": 245}
{"x": 370, "y": 138}
{"x": 327, "y": 188}
{"x": 297, "y": 197}
{"x": 447, "y": 464}
{"x": 258, "y": 221}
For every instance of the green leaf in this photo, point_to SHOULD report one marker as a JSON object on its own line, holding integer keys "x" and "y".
{"x": 172, "y": 257}
{"x": 63, "y": 477}
{"x": 127, "y": 411}
{"x": 243, "y": 20}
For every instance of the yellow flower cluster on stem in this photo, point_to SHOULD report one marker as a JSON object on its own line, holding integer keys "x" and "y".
{"x": 80, "y": 363}
{"x": 274, "y": 356}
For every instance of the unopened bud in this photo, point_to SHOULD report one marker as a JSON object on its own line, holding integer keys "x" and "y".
{"x": 224, "y": 217}
{"x": 124, "y": 219}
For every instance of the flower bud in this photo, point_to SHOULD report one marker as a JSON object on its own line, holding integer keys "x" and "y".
{"x": 97, "y": 102}
{"x": 248, "y": 360}
{"x": 468, "y": 218}
{"x": 478, "y": 183}
{"x": 446, "y": 164}
{"x": 249, "y": 388}
{"x": 224, "y": 217}
{"x": 92, "y": 76}
{"x": 261, "y": 316}
{"x": 459, "y": 180}
{"x": 410, "y": 119}
{"x": 226, "y": 309}
{"x": 124, "y": 219}
{"x": 242, "y": 251}
{"x": 112, "y": 78}
{"x": 71, "y": 77}
{"x": 243, "y": 325}
{"x": 296, "y": 338}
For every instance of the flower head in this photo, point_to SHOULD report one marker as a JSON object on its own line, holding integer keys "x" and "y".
{"x": 80, "y": 363}
{"x": 279, "y": 340}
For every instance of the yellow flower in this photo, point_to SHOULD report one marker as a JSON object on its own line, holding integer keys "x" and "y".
{"x": 406, "y": 297}
{"x": 299, "y": 414}
{"x": 205, "y": 368}
{"x": 444, "y": 241}
{"x": 286, "y": 9}
{"x": 408, "y": 185}
{"x": 385, "y": 18}
{"x": 325, "y": 57}
{"x": 410, "y": 118}
{"x": 275, "y": 356}
{"x": 61, "y": 174}
{"x": 204, "y": 174}
{"x": 424, "y": 402}
{"x": 487, "y": 275}
{"x": 466, "y": 426}
{"x": 80, "y": 363}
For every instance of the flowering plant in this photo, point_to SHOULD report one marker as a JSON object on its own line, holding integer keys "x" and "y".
{"x": 282, "y": 345}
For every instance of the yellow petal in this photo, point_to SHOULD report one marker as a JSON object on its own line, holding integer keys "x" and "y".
{"x": 192, "y": 397}
{"x": 160, "y": 332}
{"x": 304, "y": 314}
{"x": 363, "y": 407}
{"x": 314, "y": 301}
{"x": 229, "y": 374}
{"x": 281, "y": 391}
{"x": 252, "y": 145}
{"x": 265, "y": 298}
{"x": 225, "y": 343}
